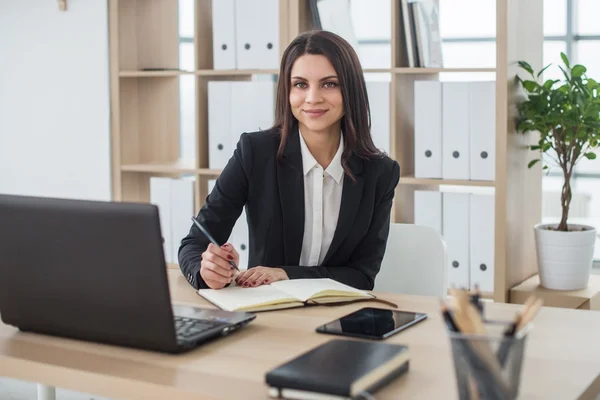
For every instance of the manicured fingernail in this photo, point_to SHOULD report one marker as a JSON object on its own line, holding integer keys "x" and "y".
{"x": 230, "y": 257}
{"x": 246, "y": 284}
{"x": 266, "y": 281}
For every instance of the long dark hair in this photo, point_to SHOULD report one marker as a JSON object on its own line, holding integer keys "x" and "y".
{"x": 356, "y": 121}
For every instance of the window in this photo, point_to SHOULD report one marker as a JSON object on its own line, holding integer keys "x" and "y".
{"x": 580, "y": 40}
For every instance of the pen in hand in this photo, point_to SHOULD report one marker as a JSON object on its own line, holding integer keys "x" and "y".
{"x": 212, "y": 240}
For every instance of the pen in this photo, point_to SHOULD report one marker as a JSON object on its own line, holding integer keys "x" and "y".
{"x": 212, "y": 239}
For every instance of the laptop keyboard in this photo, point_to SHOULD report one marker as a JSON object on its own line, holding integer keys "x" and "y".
{"x": 186, "y": 328}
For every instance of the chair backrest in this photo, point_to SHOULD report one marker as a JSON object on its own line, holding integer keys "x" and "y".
{"x": 415, "y": 262}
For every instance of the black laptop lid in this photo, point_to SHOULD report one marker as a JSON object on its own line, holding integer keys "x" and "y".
{"x": 85, "y": 269}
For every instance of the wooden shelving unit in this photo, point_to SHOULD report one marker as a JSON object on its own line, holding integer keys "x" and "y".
{"x": 145, "y": 109}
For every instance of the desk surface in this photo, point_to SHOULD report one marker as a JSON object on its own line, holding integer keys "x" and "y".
{"x": 562, "y": 356}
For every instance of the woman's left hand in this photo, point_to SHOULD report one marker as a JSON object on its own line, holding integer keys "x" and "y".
{"x": 260, "y": 276}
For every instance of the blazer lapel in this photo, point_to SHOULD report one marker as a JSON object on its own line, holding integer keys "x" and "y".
{"x": 351, "y": 198}
{"x": 291, "y": 194}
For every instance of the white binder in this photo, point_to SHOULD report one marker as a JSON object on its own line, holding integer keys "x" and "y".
{"x": 239, "y": 236}
{"x": 263, "y": 94}
{"x": 223, "y": 24}
{"x": 428, "y": 129}
{"x": 456, "y": 234}
{"x": 240, "y": 239}
{"x": 247, "y": 33}
{"x": 428, "y": 209}
{"x": 482, "y": 241}
{"x": 219, "y": 124}
{"x": 252, "y": 107}
{"x": 182, "y": 209}
{"x": 160, "y": 195}
{"x": 268, "y": 33}
{"x": 379, "y": 103}
{"x": 455, "y": 130}
{"x": 482, "y": 102}
{"x": 244, "y": 96}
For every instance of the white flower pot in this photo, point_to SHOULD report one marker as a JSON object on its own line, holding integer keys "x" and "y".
{"x": 565, "y": 258}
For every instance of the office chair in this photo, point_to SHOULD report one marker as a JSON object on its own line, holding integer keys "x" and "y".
{"x": 415, "y": 262}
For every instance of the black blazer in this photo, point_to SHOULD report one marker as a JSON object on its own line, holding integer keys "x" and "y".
{"x": 273, "y": 194}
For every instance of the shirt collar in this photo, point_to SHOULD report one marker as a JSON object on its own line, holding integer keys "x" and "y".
{"x": 335, "y": 169}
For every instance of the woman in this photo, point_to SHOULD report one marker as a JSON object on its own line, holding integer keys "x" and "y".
{"x": 317, "y": 192}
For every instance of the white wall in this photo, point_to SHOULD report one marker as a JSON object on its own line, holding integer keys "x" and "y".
{"x": 54, "y": 99}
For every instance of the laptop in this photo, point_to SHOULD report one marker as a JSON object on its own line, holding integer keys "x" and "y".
{"x": 96, "y": 271}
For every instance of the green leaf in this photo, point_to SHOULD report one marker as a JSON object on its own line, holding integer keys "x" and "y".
{"x": 534, "y": 147}
{"x": 565, "y": 59}
{"x": 526, "y": 67}
{"x": 549, "y": 83}
{"x": 532, "y": 163}
{"x": 530, "y": 86}
{"x": 578, "y": 70}
{"x": 567, "y": 77}
{"x": 546, "y": 147}
{"x": 590, "y": 156}
{"x": 543, "y": 69}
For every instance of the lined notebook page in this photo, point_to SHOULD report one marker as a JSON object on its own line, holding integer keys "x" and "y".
{"x": 237, "y": 298}
{"x": 304, "y": 289}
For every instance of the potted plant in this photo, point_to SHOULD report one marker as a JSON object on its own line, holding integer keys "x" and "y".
{"x": 566, "y": 113}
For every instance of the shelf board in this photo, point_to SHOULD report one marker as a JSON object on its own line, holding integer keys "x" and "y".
{"x": 236, "y": 72}
{"x": 209, "y": 172}
{"x": 378, "y": 70}
{"x": 177, "y": 167}
{"x": 439, "y": 70}
{"x": 411, "y": 180}
{"x": 153, "y": 74}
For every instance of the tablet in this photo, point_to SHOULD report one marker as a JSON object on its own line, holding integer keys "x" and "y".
{"x": 372, "y": 323}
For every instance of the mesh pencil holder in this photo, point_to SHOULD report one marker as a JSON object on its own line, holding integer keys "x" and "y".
{"x": 488, "y": 366}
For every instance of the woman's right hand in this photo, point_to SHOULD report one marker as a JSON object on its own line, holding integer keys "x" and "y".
{"x": 215, "y": 267}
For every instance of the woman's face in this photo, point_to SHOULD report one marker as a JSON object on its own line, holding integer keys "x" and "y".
{"x": 315, "y": 94}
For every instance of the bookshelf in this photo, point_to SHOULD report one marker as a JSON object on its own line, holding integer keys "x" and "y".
{"x": 145, "y": 123}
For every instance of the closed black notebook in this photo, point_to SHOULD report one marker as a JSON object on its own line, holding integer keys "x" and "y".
{"x": 338, "y": 369}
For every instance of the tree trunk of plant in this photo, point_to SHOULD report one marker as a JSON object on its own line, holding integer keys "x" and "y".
{"x": 565, "y": 201}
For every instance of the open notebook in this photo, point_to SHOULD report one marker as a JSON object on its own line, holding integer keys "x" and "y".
{"x": 283, "y": 294}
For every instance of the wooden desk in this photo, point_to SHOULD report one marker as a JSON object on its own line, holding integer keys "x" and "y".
{"x": 562, "y": 358}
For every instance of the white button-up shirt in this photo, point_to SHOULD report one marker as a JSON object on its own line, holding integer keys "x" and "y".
{"x": 322, "y": 200}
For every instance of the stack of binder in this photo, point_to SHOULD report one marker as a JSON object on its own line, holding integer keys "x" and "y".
{"x": 230, "y": 113}
{"x": 466, "y": 221}
{"x": 239, "y": 237}
{"x": 455, "y": 130}
{"x": 245, "y": 34}
{"x": 174, "y": 198}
